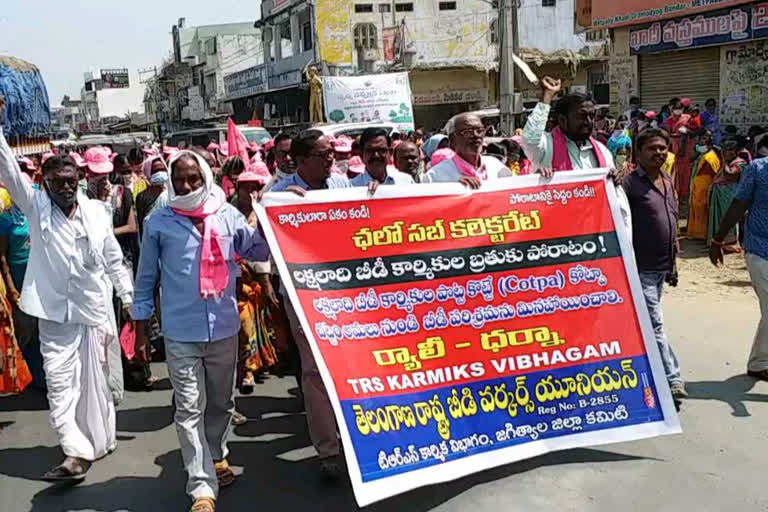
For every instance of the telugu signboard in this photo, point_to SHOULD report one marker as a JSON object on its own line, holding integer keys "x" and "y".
{"x": 451, "y": 96}
{"x": 724, "y": 26}
{"x": 369, "y": 99}
{"x": 615, "y": 13}
{"x": 246, "y": 83}
{"x": 459, "y": 331}
{"x": 115, "y": 78}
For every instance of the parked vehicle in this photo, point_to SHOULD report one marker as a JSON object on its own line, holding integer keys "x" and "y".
{"x": 352, "y": 130}
{"x": 218, "y": 134}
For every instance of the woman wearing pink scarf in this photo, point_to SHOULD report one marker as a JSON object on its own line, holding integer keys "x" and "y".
{"x": 191, "y": 244}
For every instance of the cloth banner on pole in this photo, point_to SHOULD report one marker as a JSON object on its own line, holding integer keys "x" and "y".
{"x": 369, "y": 99}
{"x": 460, "y": 330}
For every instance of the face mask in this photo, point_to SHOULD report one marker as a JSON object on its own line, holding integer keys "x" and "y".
{"x": 159, "y": 178}
{"x": 621, "y": 160}
{"x": 701, "y": 149}
{"x": 677, "y": 112}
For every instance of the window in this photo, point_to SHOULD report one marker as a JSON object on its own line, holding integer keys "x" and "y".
{"x": 447, "y": 6}
{"x": 404, "y": 7}
{"x": 547, "y": 3}
{"x": 385, "y": 8}
{"x": 363, "y": 8}
{"x": 494, "y": 31}
{"x": 366, "y": 36}
{"x": 306, "y": 34}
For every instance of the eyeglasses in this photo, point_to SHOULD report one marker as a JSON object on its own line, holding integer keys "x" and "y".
{"x": 468, "y": 132}
{"x": 60, "y": 183}
{"x": 326, "y": 155}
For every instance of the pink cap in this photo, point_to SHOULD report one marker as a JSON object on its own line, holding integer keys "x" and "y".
{"x": 212, "y": 146}
{"x": 343, "y": 144}
{"x": 397, "y": 143}
{"x": 442, "y": 154}
{"x": 356, "y": 165}
{"x": 29, "y": 163}
{"x": 77, "y": 158}
{"x": 269, "y": 144}
{"x": 97, "y": 160}
{"x": 686, "y": 102}
{"x": 223, "y": 150}
{"x": 46, "y": 156}
{"x": 257, "y": 173}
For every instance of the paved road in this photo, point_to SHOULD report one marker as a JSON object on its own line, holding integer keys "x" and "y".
{"x": 717, "y": 464}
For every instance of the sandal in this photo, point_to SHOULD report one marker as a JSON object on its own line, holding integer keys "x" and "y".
{"x": 761, "y": 375}
{"x": 71, "y": 469}
{"x": 224, "y": 474}
{"x": 203, "y": 505}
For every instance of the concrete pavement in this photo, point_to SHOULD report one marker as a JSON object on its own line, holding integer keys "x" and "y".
{"x": 717, "y": 464}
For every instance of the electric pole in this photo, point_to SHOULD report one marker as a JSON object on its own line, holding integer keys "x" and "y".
{"x": 508, "y": 45}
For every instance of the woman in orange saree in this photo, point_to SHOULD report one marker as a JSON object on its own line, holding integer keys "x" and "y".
{"x": 704, "y": 170}
{"x": 14, "y": 373}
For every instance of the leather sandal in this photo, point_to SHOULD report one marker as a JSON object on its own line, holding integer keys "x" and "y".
{"x": 203, "y": 505}
{"x": 224, "y": 474}
{"x": 72, "y": 469}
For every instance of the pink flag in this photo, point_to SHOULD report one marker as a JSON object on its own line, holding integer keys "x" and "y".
{"x": 237, "y": 144}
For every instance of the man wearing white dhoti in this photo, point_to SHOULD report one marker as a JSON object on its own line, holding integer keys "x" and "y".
{"x": 74, "y": 261}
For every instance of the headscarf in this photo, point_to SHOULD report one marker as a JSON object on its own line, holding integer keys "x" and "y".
{"x": 203, "y": 203}
{"x": 147, "y": 165}
{"x": 432, "y": 143}
{"x": 617, "y": 142}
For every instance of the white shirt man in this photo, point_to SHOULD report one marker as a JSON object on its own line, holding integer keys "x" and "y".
{"x": 74, "y": 262}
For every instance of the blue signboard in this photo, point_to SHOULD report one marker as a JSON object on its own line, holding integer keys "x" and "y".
{"x": 248, "y": 82}
{"x": 734, "y": 25}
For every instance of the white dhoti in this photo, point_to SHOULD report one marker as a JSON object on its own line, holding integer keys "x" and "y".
{"x": 77, "y": 369}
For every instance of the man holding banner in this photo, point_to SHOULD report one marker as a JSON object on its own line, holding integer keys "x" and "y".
{"x": 376, "y": 146}
{"x": 468, "y": 166}
{"x": 313, "y": 155}
{"x": 456, "y": 332}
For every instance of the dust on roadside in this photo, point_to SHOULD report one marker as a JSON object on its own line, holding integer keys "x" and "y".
{"x": 699, "y": 277}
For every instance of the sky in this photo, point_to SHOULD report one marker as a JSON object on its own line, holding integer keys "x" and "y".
{"x": 65, "y": 39}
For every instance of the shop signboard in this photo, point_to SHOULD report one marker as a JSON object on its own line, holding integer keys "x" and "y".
{"x": 447, "y": 97}
{"x": 615, "y": 13}
{"x": 114, "y": 78}
{"x": 247, "y": 82}
{"x": 724, "y": 26}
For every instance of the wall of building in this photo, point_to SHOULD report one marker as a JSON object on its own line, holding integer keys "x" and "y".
{"x": 447, "y": 38}
{"x": 744, "y": 85}
{"x": 548, "y": 28}
{"x": 237, "y": 53}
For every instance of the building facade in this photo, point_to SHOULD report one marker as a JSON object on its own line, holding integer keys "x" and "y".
{"x": 450, "y": 50}
{"x": 665, "y": 49}
{"x": 210, "y": 53}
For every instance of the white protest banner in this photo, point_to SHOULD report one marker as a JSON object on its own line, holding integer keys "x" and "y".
{"x": 369, "y": 99}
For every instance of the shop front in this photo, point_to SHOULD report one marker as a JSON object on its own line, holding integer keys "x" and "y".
{"x": 440, "y": 95}
{"x": 718, "y": 54}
